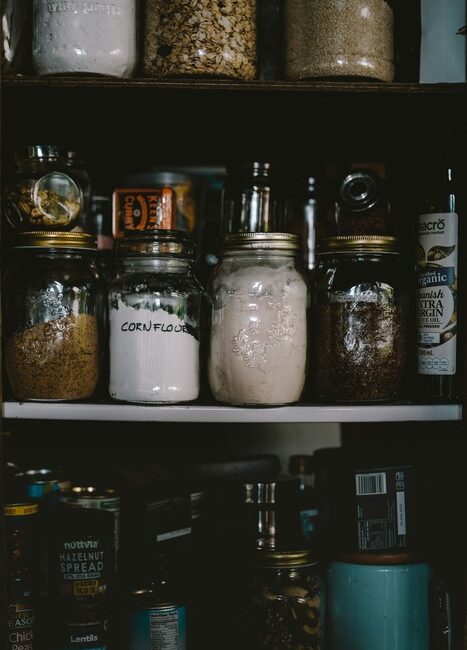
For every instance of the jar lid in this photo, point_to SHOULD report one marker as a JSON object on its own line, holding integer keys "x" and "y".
{"x": 41, "y": 152}
{"x": 383, "y": 558}
{"x": 159, "y": 242}
{"x": 250, "y": 241}
{"x": 21, "y": 509}
{"x": 286, "y": 559}
{"x": 39, "y": 239}
{"x": 359, "y": 244}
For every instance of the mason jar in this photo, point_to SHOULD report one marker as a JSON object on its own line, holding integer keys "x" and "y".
{"x": 154, "y": 317}
{"x": 258, "y": 342}
{"x": 359, "y": 317}
{"x": 286, "y": 604}
{"x": 53, "y": 317}
{"x": 51, "y": 189}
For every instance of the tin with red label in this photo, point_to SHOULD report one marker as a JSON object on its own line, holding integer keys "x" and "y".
{"x": 142, "y": 210}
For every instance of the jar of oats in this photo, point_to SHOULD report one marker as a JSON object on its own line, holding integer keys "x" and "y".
{"x": 209, "y": 38}
{"x": 331, "y": 39}
{"x": 53, "y": 306}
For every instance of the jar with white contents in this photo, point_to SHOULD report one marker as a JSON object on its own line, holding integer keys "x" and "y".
{"x": 154, "y": 316}
{"x": 258, "y": 344}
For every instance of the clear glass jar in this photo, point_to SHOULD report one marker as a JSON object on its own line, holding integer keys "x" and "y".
{"x": 203, "y": 38}
{"x": 286, "y": 611}
{"x": 85, "y": 37}
{"x": 155, "y": 305}
{"x": 258, "y": 344}
{"x": 359, "y": 319}
{"x": 339, "y": 38}
{"x": 51, "y": 189}
{"x": 53, "y": 317}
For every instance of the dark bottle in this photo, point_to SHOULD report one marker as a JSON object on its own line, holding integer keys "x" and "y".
{"x": 437, "y": 286}
{"x": 302, "y": 467}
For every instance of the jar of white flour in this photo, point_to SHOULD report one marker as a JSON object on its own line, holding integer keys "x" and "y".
{"x": 154, "y": 315}
{"x": 258, "y": 344}
{"x": 79, "y": 36}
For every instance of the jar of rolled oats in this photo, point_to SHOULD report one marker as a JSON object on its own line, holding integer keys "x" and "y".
{"x": 210, "y": 38}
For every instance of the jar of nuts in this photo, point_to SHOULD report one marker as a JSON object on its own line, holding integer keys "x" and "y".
{"x": 210, "y": 38}
{"x": 50, "y": 191}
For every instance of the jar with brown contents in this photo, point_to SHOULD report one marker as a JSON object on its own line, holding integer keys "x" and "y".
{"x": 53, "y": 303}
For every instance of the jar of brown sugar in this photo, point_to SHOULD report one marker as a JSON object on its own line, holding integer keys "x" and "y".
{"x": 339, "y": 38}
{"x": 53, "y": 306}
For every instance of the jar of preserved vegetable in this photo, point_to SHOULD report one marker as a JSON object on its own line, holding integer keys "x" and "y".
{"x": 359, "y": 320}
{"x": 51, "y": 189}
{"x": 286, "y": 611}
{"x": 155, "y": 305}
{"x": 53, "y": 317}
{"x": 215, "y": 38}
{"x": 336, "y": 38}
{"x": 258, "y": 344}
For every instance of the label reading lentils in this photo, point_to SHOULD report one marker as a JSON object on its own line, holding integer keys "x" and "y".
{"x": 437, "y": 293}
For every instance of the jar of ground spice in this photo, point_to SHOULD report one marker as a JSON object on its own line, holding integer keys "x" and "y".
{"x": 359, "y": 320}
{"x": 339, "y": 38}
{"x": 210, "y": 38}
{"x": 53, "y": 307}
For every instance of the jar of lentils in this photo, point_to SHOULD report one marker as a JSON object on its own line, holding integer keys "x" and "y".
{"x": 359, "y": 319}
{"x": 210, "y": 38}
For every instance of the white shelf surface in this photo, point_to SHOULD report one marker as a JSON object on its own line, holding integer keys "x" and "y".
{"x": 312, "y": 413}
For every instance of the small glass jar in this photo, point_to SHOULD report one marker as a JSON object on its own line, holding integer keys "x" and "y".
{"x": 215, "y": 38}
{"x": 359, "y": 319}
{"x": 53, "y": 317}
{"x": 287, "y": 605}
{"x": 83, "y": 37}
{"x": 258, "y": 345}
{"x": 155, "y": 305}
{"x": 51, "y": 190}
{"x": 339, "y": 38}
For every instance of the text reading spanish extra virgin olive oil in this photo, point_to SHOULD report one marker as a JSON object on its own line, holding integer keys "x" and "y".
{"x": 437, "y": 293}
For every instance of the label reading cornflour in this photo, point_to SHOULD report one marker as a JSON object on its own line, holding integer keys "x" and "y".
{"x": 437, "y": 293}
{"x": 153, "y": 356}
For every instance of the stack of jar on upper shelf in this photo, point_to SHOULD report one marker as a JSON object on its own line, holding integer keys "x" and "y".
{"x": 264, "y": 328}
{"x": 239, "y": 39}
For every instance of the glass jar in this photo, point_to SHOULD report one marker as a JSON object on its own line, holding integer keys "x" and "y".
{"x": 258, "y": 345}
{"x": 51, "y": 189}
{"x": 359, "y": 320}
{"x": 203, "y": 38}
{"x": 287, "y": 605}
{"x": 155, "y": 305}
{"x": 336, "y": 38}
{"x": 85, "y": 37}
{"x": 53, "y": 310}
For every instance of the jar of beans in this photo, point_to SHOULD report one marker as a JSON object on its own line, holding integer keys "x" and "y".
{"x": 210, "y": 38}
{"x": 359, "y": 319}
{"x": 339, "y": 38}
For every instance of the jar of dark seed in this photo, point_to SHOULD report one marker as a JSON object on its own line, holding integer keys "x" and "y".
{"x": 359, "y": 320}
{"x": 53, "y": 317}
{"x": 287, "y": 603}
{"x": 210, "y": 38}
{"x": 339, "y": 38}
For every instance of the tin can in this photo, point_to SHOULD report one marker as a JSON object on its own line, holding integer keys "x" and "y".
{"x": 156, "y": 626}
{"x": 93, "y": 498}
{"x": 141, "y": 210}
{"x": 43, "y": 482}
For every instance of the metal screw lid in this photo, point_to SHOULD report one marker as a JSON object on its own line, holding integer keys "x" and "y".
{"x": 41, "y": 239}
{"x": 359, "y": 244}
{"x": 286, "y": 559}
{"x": 173, "y": 243}
{"x": 261, "y": 241}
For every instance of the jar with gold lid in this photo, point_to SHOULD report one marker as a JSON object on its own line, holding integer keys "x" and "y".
{"x": 53, "y": 317}
{"x": 359, "y": 319}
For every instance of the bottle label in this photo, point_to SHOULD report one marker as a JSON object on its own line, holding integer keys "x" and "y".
{"x": 437, "y": 293}
{"x": 158, "y": 629}
{"x": 21, "y": 627}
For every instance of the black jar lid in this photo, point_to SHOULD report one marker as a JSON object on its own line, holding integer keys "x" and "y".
{"x": 42, "y": 152}
{"x": 359, "y": 244}
{"x": 44, "y": 239}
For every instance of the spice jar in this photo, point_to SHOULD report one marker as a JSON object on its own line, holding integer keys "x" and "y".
{"x": 51, "y": 190}
{"x": 287, "y": 604}
{"x": 203, "y": 38}
{"x": 85, "y": 37}
{"x": 339, "y": 38}
{"x": 359, "y": 320}
{"x": 53, "y": 304}
{"x": 155, "y": 304}
{"x": 258, "y": 343}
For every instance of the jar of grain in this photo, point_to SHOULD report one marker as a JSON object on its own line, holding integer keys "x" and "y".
{"x": 359, "y": 319}
{"x": 210, "y": 38}
{"x": 339, "y": 38}
{"x": 53, "y": 317}
{"x": 258, "y": 345}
